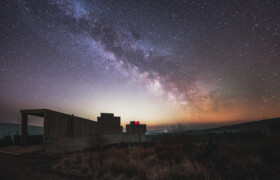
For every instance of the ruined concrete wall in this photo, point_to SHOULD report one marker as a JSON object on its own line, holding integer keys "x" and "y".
{"x": 125, "y": 137}
{"x": 133, "y": 137}
{"x": 70, "y": 144}
{"x": 68, "y": 133}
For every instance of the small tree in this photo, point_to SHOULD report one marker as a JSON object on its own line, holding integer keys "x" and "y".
{"x": 179, "y": 131}
{"x": 179, "y": 128}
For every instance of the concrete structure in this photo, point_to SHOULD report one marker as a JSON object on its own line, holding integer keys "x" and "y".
{"x": 109, "y": 124}
{"x": 135, "y": 127}
{"x": 67, "y": 133}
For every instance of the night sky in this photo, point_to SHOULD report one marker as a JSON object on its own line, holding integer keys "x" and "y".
{"x": 159, "y": 62}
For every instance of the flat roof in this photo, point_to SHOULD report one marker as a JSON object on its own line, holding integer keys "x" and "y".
{"x": 41, "y": 113}
{"x": 34, "y": 112}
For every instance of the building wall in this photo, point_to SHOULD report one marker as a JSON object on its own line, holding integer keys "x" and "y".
{"x": 84, "y": 127}
{"x": 55, "y": 124}
{"x": 111, "y": 130}
{"x": 70, "y": 144}
{"x": 133, "y": 137}
{"x": 67, "y": 144}
{"x": 109, "y": 124}
{"x": 63, "y": 125}
{"x": 133, "y": 128}
{"x": 109, "y": 120}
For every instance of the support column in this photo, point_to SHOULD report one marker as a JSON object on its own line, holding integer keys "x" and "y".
{"x": 24, "y": 121}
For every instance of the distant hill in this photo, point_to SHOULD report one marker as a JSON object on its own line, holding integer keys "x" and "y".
{"x": 13, "y": 129}
{"x": 263, "y": 125}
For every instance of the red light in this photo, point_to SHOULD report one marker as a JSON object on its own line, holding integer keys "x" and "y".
{"x": 137, "y": 122}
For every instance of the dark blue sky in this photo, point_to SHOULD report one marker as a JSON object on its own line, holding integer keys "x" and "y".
{"x": 159, "y": 62}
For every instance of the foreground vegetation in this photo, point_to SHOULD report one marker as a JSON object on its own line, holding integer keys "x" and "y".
{"x": 243, "y": 155}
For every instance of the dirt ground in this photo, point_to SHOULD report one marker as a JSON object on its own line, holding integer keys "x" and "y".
{"x": 27, "y": 167}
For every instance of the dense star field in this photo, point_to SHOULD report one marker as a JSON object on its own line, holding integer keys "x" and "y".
{"x": 159, "y": 62}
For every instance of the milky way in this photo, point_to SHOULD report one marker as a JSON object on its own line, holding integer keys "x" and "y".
{"x": 155, "y": 61}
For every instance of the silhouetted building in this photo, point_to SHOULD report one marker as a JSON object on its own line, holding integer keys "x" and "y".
{"x": 109, "y": 124}
{"x": 67, "y": 133}
{"x": 135, "y": 127}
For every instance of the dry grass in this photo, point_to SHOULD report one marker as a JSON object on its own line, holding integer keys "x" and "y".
{"x": 255, "y": 158}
